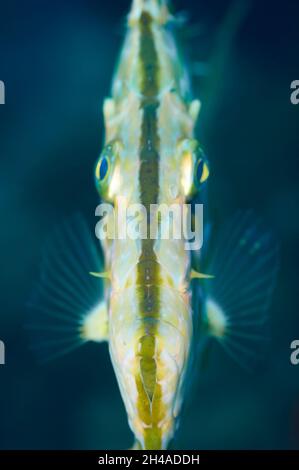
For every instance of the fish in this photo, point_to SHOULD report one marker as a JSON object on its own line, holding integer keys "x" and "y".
{"x": 157, "y": 304}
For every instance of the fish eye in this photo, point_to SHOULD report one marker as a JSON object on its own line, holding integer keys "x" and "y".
{"x": 195, "y": 169}
{"x": 201, "y": 172}
{"x": 102, "y": 168}
{"x": 107, "y": 173}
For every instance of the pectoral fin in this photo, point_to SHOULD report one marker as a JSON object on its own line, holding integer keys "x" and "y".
{"x": 67, "y": 307}
{"x": 245, "y": 264}
{"x": 95, "y": 325}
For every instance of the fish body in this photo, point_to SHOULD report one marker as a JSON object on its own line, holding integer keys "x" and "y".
{"x": 150, "y": 319}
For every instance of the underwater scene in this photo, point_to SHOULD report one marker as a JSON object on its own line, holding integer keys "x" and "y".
{"x": 116, "y": 332}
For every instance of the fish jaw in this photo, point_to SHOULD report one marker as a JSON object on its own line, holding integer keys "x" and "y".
{"x": 150, "y": 357}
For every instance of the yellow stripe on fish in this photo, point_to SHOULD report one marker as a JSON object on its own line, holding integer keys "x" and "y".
{"x": 150, "y": 367}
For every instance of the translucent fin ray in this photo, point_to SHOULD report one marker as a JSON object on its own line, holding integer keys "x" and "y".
{"x": 66, "y": 308}
{"x": 245, "y": 265}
